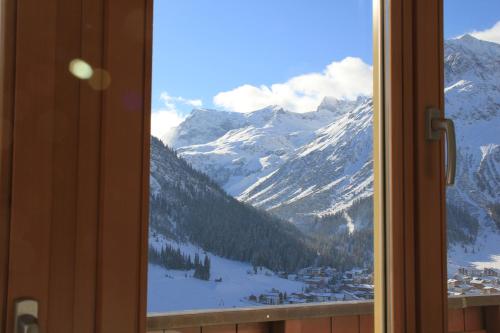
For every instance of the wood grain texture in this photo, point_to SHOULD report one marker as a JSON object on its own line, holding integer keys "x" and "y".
{"x": 292, "y": 326}
{"x": 73, "y": 182}
{"x": 481, "y": 318}
{"x": 121, "y": 284}
{"x": 32, "y": 176}
{"x": 254, "y": 328}
{"x": 7, "y": 76}
{"x": 430, "y": 231}
{"x": 259, "y": 314}
{"x": 65, "y": 170}
{"x": 473, "y": 319}
{"x": 456, "y": 320}
{"x": 184, "y": 330}
{"x": 492, "y": 319}
{"x": 319, "y": 325}
{"x": 219, "y": 329}
{"x": 400, "y": 169}
{"x": 366, "y": 324}
{"x": 89, "y": 155}
{"x": 345, "y": 324}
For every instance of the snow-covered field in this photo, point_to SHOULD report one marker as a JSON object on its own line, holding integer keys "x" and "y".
{"x": 484, "y": 254}
{"x": 174, "y": 290}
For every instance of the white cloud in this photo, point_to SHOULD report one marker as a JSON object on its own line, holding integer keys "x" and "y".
{"x": 492, "y": 34}
{"x": 348, "y": 78}
{"x": 170, "y": 101}
{"x": 169, "y": 116}
{"x": 163, "y": 121}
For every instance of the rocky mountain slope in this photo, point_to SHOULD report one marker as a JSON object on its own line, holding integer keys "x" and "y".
{"x": 307, "y": 166}
{"x": 187, "y": 207}
{"x": 472, "y": 81}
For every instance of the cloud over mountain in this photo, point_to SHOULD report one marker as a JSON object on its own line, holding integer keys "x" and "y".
{"x": 492, "y": 34}
{"x": 169, "y": 116}
{"x": 346, "y": 79}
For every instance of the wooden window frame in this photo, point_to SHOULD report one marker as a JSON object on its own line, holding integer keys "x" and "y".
{"x": 75, "y": 163}
{"x": 96, "y": 182}
{"x": 416, "y": 206}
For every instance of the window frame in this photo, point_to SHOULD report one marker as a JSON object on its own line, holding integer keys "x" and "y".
{"x": 411, "y": 69}
{"x": 314, "y": 310}
{"x": 416, "y": 205}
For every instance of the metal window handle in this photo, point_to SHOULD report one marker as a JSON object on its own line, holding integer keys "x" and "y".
{"x": 26, "y": 316}
{"x": 435, "y": 125}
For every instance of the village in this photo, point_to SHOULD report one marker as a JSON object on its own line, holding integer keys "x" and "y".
{"x": 326, "y": 284}
{"x": 472, "y": 281}
{"x": 321, "y": 284}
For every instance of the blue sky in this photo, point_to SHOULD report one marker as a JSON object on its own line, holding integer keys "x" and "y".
{"x": 251, "y": 53}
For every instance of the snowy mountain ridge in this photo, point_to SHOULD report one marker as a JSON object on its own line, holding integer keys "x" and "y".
{"x": 303, "y": 166}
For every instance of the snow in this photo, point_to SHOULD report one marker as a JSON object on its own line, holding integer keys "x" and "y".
{"x": 320, "y": 162}
{"x": 350, "y": 223}
{"x": 171, "y": 290}
{"x": 486, "y": 254}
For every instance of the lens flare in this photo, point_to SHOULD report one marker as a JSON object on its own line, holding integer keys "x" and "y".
{"x": 80, "y": 69}
{"x": 100, "y": 80}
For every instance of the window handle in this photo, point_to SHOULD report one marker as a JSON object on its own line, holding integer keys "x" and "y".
{"x": 26, "y": 316}
{"x": 435, "y": 125}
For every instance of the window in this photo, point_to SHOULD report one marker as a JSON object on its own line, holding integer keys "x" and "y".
{"x": 472, "y": 101}
{"x": 261, "y": 180}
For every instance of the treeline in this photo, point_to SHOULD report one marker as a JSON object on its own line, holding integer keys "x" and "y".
{"x": 171, "y": 258}
{"x": 341, "y": 248}
{"x": 190, "y": 206}
{"x": 201, "y": 270}
{"x": 235, "y": 231}
{"x": 462, "y": 227}
{"x": 494, "y": 210}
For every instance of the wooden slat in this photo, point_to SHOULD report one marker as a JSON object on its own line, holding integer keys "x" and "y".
{"x": 473, "y": 319}
{"x": 469, "y": 320}
{"x": 366, "y": 324}
{"x": 430, "y": 231}
{"x": 74, "y": 188}
{"x": 456, "y": 320}
{"x": 317, "y": 325}
{"x": 254, "y": 328}
{"x": 488, "y": 304}
{"x": 345, "y": 324}
{"x": 277, "y": 326}
{"x": 492, "y": 319}
{"x": 31, "y": 208}
{"x": 87, "y": 220}
{"x": 121, "y": 285}
{"x": 258, "y": 314}
{"x": 462, "y": 302}
{"x": 399, "y": 168}
{"x": 65, "y": 169}
{"x": 185, "y": 330}
{"x": 7, "y": 66}
{"x": 219, "y": 329}
{"x": 292, "y": 326}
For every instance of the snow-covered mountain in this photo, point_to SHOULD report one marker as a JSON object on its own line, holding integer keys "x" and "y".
{"x": 302, "y": 166}
{"x": 186, "y": 206}
{"x": 244, "y": 157}
{"x": 324, "y": 175}
{"x": 203, "y": 125}
{"x": 472, "y": 81}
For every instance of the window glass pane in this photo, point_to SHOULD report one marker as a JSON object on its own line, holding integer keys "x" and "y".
{"x": 472, "y": 100}
{"x": 261, "y": 154}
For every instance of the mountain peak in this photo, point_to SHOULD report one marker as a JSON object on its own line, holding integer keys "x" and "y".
{"x": 466, "y": 37}
{"x": 339, "y": 105}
